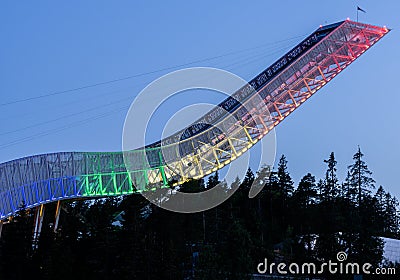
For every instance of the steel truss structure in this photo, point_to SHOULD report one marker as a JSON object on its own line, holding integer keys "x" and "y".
{"x": 36, "y": 180}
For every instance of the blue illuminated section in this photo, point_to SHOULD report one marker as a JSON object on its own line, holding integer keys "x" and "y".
{"x": 40, "y": 192}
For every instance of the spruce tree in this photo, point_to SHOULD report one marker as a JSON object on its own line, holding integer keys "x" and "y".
{"x": 331, "y": 189}
{"x": 306, "y": 193}
{"x": 248, "y": 179}
{"x": 284, "y": 180}
{"x": 304, "y": 198}
{"x": 390, "y": 215}
{"x": 327, "y": 243}
{"x": 380, "y": 208}
{"x": 363, "y": 243}
{"x": 359, "y": 179}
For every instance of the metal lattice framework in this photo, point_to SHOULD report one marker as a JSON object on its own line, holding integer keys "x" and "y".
{"x": 289, "y": 82}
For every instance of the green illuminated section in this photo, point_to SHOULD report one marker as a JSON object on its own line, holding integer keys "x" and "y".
{"x": 164, "y": 178}
{"x": 106, "y": 184}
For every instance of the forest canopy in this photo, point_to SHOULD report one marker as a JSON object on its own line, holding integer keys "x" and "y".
{"x": 127, "y": 237}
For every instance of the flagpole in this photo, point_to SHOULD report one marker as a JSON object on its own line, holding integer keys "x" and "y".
{"x": 359, "y": 9}
{"x": 357, "y": 14}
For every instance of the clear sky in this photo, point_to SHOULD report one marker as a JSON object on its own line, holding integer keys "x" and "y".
{"x": 53, "y": 46}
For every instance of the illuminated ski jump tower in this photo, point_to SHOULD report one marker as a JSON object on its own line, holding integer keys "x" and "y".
{"x": 40, "y": 179}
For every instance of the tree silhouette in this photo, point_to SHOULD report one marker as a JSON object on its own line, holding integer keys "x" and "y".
{"x": 127, "y": 237}
{"x": 359, "y": 178}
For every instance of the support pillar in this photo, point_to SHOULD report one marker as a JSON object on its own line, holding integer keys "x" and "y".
{"x": 38, "y": 225}
{"x": 57, "y": 216}
{"x": 1, "y": 227}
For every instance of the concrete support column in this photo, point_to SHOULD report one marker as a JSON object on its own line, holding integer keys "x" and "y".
{"x": 57, "y": 216}
{"x": 38, "y": 225}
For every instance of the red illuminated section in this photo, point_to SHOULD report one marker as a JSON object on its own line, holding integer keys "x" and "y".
{"x": 313, "y": 70}
{"x": 282, "y": 95}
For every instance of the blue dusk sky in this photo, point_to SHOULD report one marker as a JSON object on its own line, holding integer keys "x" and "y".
{"x": 50, "y": 49}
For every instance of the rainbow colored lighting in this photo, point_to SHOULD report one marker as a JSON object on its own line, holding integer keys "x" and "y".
{"x": 41, "y": 179}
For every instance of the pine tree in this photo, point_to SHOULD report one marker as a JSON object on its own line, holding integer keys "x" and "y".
{"x": 321, "y": 190}
{"x": 359, "y": 179}
{"x": 248, "y": 179}
{"x": 16, "y": 248}
{"x": 284, "y": 180}
{"x": 362, "y": 242}
{"x": 345, "y": 188}
{"x": 390, "y": 215}
{"x": 331, "y": 189}
{"x": 380, "y": 208}
{"x": 328, "y": 218}
{"x": 306, "y": 193}
{"x": 212, "y": 219}
{"x": 260, "y": 181}
{"x": 213, "y": 180}
{"x": 304, "y": 198}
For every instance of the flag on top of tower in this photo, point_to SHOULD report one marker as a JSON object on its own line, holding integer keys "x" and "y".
{"x": 359, "y": 9}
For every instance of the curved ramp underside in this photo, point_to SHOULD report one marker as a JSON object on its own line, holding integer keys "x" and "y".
{"x": 284, "y": 86}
